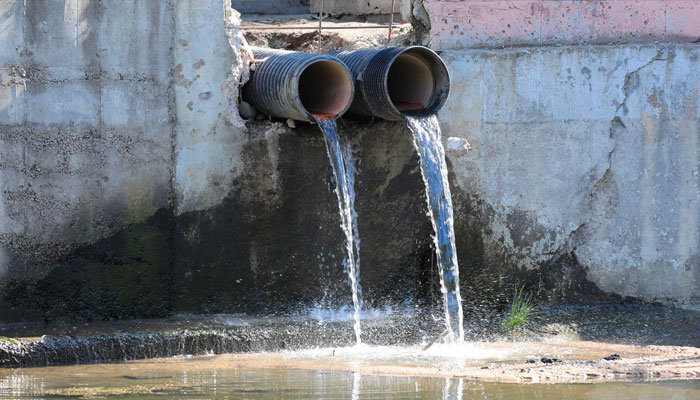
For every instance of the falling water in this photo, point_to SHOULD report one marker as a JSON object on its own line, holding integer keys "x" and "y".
{"x": 428, "y": 142}
{"x": 343, "y": 164}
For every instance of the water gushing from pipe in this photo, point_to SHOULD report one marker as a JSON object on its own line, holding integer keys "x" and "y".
{"x": 343, "y": 164}
{"x": 427, "y": 140}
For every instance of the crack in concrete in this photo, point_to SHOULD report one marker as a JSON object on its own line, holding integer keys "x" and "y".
{"x": 630, "y": 83}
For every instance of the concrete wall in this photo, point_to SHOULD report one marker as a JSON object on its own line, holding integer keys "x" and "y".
{"x": 357, "y": 7}
{"x": 109, "y": 112}
{"x": 585, "y": 158}
{"x": 582, "y": 155}
{"x": 466, "y": 23}
{"x": 130, "y": 187}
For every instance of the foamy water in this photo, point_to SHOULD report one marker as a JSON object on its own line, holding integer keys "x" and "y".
{"x": 437, "y": 355}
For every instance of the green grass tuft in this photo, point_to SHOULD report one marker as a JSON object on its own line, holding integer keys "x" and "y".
{"x": 521, "y": 309}
{"x": 8, "y": 339}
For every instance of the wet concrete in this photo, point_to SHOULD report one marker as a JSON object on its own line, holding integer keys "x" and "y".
{"x": 618, "y": 326}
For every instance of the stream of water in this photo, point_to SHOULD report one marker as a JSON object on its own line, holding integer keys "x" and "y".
{"x": 343, "y": 163}
{"x": 427, "y": 139}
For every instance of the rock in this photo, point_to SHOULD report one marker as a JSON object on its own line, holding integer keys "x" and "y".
{"x": 457, "y": 147}
{"x": 550, "y": 360}
{"x": 612, "y": 357}
{"x": 246, "y": 110}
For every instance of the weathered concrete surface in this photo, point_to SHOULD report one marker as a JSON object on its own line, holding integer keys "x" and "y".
{"x": 209, "y": 133}
{"x": 110, "y": 123}
{"x": 274, "y": 243}
{"x": 130, "y": 187}
{"x": 357, "y": 7}
{"x": 458, "y": 24}
{"x": 644, "y": 326}
{"x": 584, "y": 165}
{"x": 86, "y": 132}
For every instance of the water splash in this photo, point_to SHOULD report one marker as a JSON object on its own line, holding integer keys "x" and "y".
{"x": 427, "y": 140}
{"x": 343, "y": 164}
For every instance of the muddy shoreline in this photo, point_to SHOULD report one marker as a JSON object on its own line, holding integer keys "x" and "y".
{"x": 603, "y": 342}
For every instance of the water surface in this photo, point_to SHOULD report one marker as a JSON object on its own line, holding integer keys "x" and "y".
{"x": 194, "y": 378}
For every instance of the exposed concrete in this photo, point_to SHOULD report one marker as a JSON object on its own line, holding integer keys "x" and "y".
{"x": 640, "y": 328}
{"x": 209, "y": 131}
{"x": 583, "y": 158}
{"x": 110, "y": 111}
{"x": 130, "y": 187}
{"x": 357, "y": 7}
{"x": 338, "y": 36}
{"x": 458, "y": 24}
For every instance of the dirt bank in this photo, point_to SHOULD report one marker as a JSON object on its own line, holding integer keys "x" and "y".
{"x": 564, "y": 362}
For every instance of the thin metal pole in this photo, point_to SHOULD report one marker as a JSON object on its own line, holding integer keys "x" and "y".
{"x": 320, "y": 26}
{"x": 391, "y": 22}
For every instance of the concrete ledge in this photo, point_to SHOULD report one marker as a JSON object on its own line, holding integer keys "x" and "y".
{"x": 472, "y": 23}
{"x": 173, "y": 338}
{"x": 356, "y": 7}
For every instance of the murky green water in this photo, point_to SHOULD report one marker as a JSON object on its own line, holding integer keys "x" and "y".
{"x": 190, "y": 378}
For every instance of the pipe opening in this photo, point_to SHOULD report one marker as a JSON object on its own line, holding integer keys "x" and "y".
{"x": 325, "y": 89}
{"x": 418, "y": 82}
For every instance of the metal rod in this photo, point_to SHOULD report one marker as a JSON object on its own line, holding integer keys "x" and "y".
{"x": 298, "y": 27}
{"x": 391, "y": 22}
{"x": 320, "y": 26}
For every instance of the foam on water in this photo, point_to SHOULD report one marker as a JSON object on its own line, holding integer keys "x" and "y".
{"x": 436, "y": 355}
{"x": 344, "y": 313}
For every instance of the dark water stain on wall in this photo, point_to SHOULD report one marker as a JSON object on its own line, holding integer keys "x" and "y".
{"x": 273, "y": 245}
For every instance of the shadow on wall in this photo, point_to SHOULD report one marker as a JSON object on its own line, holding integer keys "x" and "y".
{"x": 271, "y": 6}
{"x": 273, "y": 245}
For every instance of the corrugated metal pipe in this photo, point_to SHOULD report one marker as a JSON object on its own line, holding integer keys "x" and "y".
{"x": 299, "y": 86}
{"x": 395, "y": 81}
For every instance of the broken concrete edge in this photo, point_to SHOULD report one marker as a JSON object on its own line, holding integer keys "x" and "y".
{"x": 589, "y": 362}
{"x": 617, "y": 327}
{"x": 240, "y": 69}
{"x": 63, "y": 350}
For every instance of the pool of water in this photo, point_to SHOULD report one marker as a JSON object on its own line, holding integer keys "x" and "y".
{"x": 220, "y": 377}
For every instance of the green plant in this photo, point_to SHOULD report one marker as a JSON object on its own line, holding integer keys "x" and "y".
{"x": 521, "y": 309}
{"x": 8, "y": 339}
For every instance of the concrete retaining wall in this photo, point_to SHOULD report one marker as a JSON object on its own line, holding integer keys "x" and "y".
{"x": 130, "y": 187}
{"x": 110, "y": 111}
{"x": 459, "y": 24}
{"x": 582, "y": 156}
{"x": 357, "y": 7}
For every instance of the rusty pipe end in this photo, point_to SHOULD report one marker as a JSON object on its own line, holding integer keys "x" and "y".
{"x": 325, "y": 89}
{"x": 417, "y": 82}
{"x": 299, "y": 86}
{"x": 397, "y": 81}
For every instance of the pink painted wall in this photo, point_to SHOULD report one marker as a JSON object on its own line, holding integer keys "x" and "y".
{"x": 474, "y": 23}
